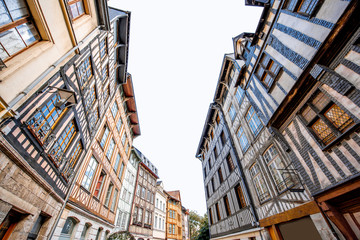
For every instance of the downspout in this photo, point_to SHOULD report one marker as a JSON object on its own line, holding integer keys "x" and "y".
{"x": 217, "y": 105}
{"x": 22, "y": 94}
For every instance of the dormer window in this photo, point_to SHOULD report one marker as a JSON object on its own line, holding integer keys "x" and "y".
{"x": 243, "y": 49}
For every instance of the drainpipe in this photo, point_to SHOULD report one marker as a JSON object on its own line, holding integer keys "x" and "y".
{"x": 22, "y": 94}
{"x": 217, "y": 105}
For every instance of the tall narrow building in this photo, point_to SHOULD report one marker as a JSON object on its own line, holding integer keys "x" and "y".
{"x": 174, "y": 221}
{"x": 46, "y": 127}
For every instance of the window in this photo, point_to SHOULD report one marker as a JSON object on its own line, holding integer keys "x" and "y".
{"x": 119, "y": 124}
{"x": 227, "y": 206}
{"x": 105, "y": 72}
{"x": 104, "y": 136}
{"x": 84, "y": 231}
{"x": 113, "y": 203}
{"x": 205, "y": 173}
{"x": 139, "y": 218}
{"x": 124, "y": 194}
{"x": 240, "y": 196}
{"x": 216, "y": 152}
{"x": 148, "y": 195}
{"x": 267, "y": 70}
{"x": 217, "y": 119}
{"x": 93, "y": 118}
{"x": 62, "y": 143}
{"x": 254, "y": 121}
{"x": 240, "y": 93}
{"x": 244, "y": 143}
{"x": 146, "y": 220}
{"x": 114, "y": 109}
{"x": 138, "y": 190}
{"x": 36, "y": 228}
{"x": 210, "y": 216}
{"x": 45, "y": 118}
{"x": 106, "y": 93}
{"x": 117, "y": 162}
{"x": 212, "y": 134}
{"x": 222, "y": 138}
{"x": 68, "y": 228}
{"x": 98, "y": 233}
{"x": 210, "y": 165}
{"x": 76, "y": 8}
{"x": 143, "y": 192}
{"x": 110, "y": 149}
{"x": 230, "y": 163}
{"x": 221, "y": 178}
{"x": 135, "y": 213}
{"x": 217, "y": 211}
{"x": 305, "y": 7}
{"x": 89, "y": 174}
{"x": 103, "y": 48}
{"x": 275, "y": 164}
{"x": 155, "y": 225}
{"x": 259, "y": 183}
{"x": 212, "y": 184}
{"x": 108, "y": 194}
{"x": 121, "y": 170}
{"x": 99, "y": 184}
{"x": 18, "y": 30}
{"x": 123, "y": 139}
{"x": 68, "y": 168}
{"x": 85, "y": 72}
{"x": 207, "y": 191}
{"x": 90, "y": 98}
{"x": 232, "y": 74}
{"x": 326, "y": 119}
{"x": 232, "y": 112}
{"x": 127, "y": 148}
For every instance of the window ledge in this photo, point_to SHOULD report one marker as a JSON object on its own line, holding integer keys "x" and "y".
{"x": 22, "y": 59}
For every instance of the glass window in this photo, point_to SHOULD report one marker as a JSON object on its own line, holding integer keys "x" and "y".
{"x": 84, "y": 231}
{"x": 113, "y": 203}
{"x": 140, "y": 215}
{"x": 227, "y": 206}
{"x": 117, "y": 162}
{"x": 99, "y": 184}
{"x": 108, "y": 194}
{"x": 267, "y": 70}
{"x": 135, "y": 213}
{"x": 326, "y": 119}
{"x": 62, "y": 143}
{"x": 85, "y": 71}
{"x": 68, "y": 168}
{"x": 258, "y": 180}
{"x": 106, "y": 93}
{"x": 240, "y": 93}
{"x": 240, "y": 196}
{"x": 18, "y": 30}
{"x": 90, "y": 98}
{"x": 114, "y": 109}
{"x": 217, "y": 211}
{"x": 110, "y": 149}
{"x": 222, "y": 138}
{"x": 103, "y": 48}
{"x": 45, "y": 118}
{"x": 221, "y": 178}
{"x": 76, "y": 8}
{"x": 105, "y": 72}
{"x": 253, "y": 121}
{"x": 123, "y": 139}
{"x": 305, "y": 7}
{"x": 119, "y": 124}
{"x": 89, "y": 174}
{"x": 230, "y": 163}
{"x": 232, "y": 112}
{"x": 210, "y": 216}
{"x": 275, "y": 165}
{"x": 244, "y": 143}
{"x": 68, "y": 228}
{"x": 36, "y": 228}
{"x": 121, "y": 170}
{"x": 104, "y": 136}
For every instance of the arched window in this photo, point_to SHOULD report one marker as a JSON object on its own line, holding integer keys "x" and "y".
{"x": 98, "y": 234}
{"x": 68, "y": 229}
{"x": 85, "y": 231}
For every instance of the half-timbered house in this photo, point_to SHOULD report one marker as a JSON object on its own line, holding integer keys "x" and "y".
{"x": 44, "y": 128}
{"x": 142, "y": 213}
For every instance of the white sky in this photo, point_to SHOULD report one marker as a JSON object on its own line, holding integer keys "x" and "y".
{"x": 175, "y": 55}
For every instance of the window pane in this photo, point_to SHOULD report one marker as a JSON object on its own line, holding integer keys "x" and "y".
{"x": 339, "y": 118}
{"x": 11, "y": 41}
{"x": 28, "y": 33}
{"x": 4, "y": 15}
{"x": 17, "y": 8}
{"x": 323, "y": 131}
